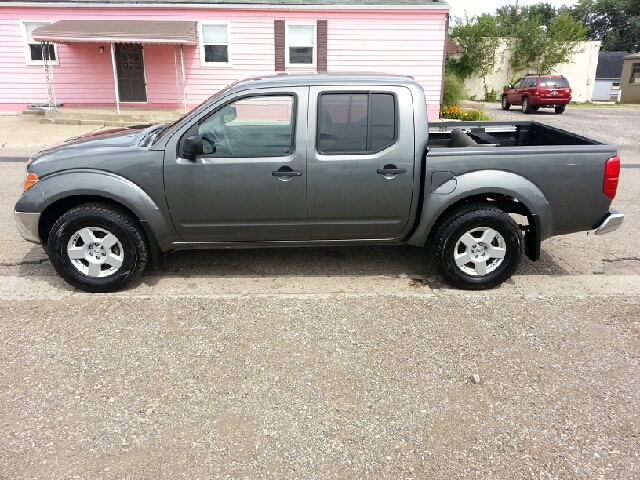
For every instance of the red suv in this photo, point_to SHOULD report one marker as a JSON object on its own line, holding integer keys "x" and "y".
{"x": 536, "y": 91}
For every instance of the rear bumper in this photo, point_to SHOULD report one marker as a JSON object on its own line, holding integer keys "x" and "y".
{"x": 27, "y": 224}
{"x": 549, "y": 101}
{"x": 611, "y": 222}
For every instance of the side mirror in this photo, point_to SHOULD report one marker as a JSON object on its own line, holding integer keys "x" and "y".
{"x": 192, "y": 147}
{"x": 509, "y": 86}
{"x": 229, "y": 114}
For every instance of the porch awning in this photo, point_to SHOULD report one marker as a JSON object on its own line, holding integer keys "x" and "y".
{"x": 118, "y": 31}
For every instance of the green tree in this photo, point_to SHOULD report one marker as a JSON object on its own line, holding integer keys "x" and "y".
{"x": 540, "y": 48}
{"x": 616, "y": 23}
{"x": 480, "y": 38}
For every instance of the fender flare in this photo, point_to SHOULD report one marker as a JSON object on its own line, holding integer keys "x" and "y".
{"x": 484, "y": 182}
{"x": 107, "y": 185}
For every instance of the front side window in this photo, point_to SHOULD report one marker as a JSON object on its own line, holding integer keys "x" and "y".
{"x": 301, "y": 44}
{"x": 33, "y": 49}
{"x": 260, "y": 126}
{"x": 356, "y": 123}
{"x": 635, "y": 73}
{"x": 214, "y": 44}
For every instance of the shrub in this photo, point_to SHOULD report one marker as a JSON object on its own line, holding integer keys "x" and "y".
{"x": 456, "y": 113}
{"x": 453, "y": 90}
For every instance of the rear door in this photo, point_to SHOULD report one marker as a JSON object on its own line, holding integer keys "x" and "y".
{"x": 360, "y": 162}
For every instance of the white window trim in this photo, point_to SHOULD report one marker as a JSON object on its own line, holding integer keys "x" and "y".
{"x": 315, "y": 45}
{"x": 27, "y": 50}
{"x": 229, "y": 63}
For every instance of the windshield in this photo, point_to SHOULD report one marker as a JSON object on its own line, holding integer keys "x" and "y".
{"x": 560, "y": 82}
{"x": 168, "y": 128}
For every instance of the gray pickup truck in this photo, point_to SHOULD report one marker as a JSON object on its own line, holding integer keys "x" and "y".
{"x": 324, "y": 159}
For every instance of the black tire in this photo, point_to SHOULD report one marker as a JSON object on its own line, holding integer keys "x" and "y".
{"x": 526, "y": 105}
{"x": 476, "y": 220}
{"x": 130, "y": 248}
{"x": 560, "y": 109}
{"x": 535, "y": 109}
{"x": 505, "y": 103}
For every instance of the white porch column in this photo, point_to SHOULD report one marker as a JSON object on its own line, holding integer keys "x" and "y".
{"x": 115, "y": 75}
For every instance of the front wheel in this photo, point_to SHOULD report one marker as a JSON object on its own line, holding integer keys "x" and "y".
{"x": 97, "y": 248}
{"x": 477, "y": 247}
{"x": 505, "y": 103}
{"x": 526, "y": 105}
{"x": 560, "y": 109}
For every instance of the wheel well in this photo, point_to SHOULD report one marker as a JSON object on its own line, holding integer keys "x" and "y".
{"x": 507, "y": 204}
{"x": 54, "y": 211}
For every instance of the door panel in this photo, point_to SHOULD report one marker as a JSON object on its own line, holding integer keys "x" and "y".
{"x": 130, "y": 68}
{"x": 349, "y": 196}
{"x": 233, "y": 194}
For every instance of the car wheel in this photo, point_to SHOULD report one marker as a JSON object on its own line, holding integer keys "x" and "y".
{"x": 98, "y": 248}
{"x": 560, "y": 109}
{"x": 505, "y": 103}
{"x": 477, "y": 247}
{"x": 526, "y": 105}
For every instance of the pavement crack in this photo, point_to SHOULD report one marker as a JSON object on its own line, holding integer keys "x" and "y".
{"x": 622, "y": 259}
{"x": 23, "y": 262}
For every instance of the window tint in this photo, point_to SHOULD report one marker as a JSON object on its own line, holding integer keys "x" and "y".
{"x": 355, "y": 123}
{"x": 383, "y": 121}
{"x": 554, "y": 82}
{"x": 260, "y": 126}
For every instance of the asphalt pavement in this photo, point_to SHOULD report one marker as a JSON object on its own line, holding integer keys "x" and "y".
{"x": 345, "y": 362}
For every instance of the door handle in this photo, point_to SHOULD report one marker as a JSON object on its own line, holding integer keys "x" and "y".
{"x": 391, "y": 170}
{"x": 284, "y": 172}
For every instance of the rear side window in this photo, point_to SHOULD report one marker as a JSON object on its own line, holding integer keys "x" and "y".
{"x": 356, "y": 123}
{"x": 554, "y": 82}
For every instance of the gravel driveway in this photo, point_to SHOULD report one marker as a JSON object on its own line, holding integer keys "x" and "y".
{"x": 330, "y": 363}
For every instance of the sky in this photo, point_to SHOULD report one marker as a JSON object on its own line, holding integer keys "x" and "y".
{"x": 476, "y": 7}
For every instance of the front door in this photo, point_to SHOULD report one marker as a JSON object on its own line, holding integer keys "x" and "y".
{"x": 130, "y": 67}
{"x": 361, "y": 164}
{"x": 250, "y": 184}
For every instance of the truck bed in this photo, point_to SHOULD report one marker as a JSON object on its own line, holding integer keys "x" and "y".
{"x": 501, "y": 134}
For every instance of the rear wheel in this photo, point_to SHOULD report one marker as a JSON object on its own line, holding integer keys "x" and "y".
{"x": 505, "y": 103}
{"x": 98, "y": 248}
{"x": 477, "y": 247}
{"x": 526, "y": 105}
{"x": 560, "y": 109}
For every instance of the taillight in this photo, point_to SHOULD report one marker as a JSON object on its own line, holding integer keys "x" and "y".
{"x": 611, "y": 177}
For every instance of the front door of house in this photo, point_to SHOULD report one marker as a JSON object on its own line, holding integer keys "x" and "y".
{"x": 130, "y": 67}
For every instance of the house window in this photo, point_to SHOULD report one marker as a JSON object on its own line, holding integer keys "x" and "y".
{"x": 301, "y": 45}
{"x": 214, "y": 44}
{"x": 356, "y": 123}
{"x": 33, "y": 49}
{"x": 635, "y": 73}
{"x": 615, "y": 86}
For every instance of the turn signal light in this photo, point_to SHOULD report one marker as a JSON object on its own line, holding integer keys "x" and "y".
{"x": 30, "y": 181}
{"x": 611, "y": 177}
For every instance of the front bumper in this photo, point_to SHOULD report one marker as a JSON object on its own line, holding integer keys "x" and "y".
{"x": 611, "y": 223}
{"x": 27, "y": 224}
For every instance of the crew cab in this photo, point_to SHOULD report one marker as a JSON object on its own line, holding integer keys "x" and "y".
{"x": 538, "y": 91}
{"x": 323, "y": 159}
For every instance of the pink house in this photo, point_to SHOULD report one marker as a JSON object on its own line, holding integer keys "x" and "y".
{"x": 170, "y": 53}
